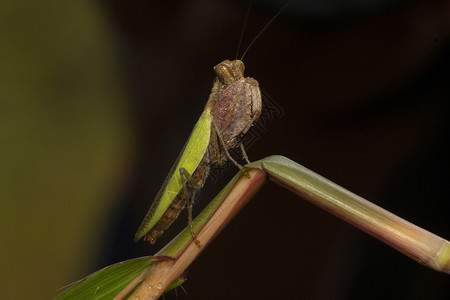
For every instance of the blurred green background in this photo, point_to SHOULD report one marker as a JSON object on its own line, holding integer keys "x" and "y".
{"x": 64, "y": 141}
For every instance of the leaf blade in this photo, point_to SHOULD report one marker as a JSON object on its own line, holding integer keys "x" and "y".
{"x": 107, "y": 282}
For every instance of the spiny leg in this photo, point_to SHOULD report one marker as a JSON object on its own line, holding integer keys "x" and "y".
{"x": 186, "y": 179}
{"x": 244, "y": 154}
{"x": 222, "y": 142}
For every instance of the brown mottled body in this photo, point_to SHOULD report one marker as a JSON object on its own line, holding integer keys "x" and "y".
{"x": 235, "y": 103}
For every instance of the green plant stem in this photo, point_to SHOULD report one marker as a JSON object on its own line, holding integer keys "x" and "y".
{"x": 413, "y": 241}
{"x": 171, "y": 262}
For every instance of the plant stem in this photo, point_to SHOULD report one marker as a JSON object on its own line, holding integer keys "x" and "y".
{"x": 413, "y": 241}
{"x": 234, "y": 196}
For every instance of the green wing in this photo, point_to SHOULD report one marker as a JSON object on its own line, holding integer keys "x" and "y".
{"x": 190, "y": 158}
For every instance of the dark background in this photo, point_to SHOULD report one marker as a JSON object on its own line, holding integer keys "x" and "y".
{"x": 365, "y": 91}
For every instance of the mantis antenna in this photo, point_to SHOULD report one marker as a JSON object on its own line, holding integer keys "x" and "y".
{"x": 243, "y": 28}
{"x": 264, "y": 28}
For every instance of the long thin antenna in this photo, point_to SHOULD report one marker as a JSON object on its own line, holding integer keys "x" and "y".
{"x": 264, "y": 28}
{"x": 243, "y": 28}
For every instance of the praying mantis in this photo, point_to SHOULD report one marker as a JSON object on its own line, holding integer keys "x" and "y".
{"x": 233, "y": 105}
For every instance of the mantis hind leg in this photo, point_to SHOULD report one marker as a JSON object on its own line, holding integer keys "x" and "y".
{"x": 189, "y": 191}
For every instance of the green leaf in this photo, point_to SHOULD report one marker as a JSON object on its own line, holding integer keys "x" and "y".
{"x": 108, "y": 282}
